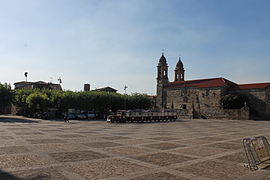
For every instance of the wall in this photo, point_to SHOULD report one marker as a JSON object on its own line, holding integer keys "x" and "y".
{"x": 193, "y": 100}
{"x": 267, "y": 100}
{"x": 238, "y": 114}
{"x": 258, "y": 101}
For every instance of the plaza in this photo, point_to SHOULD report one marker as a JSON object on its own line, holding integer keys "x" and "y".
{"x": 200, "y": 149}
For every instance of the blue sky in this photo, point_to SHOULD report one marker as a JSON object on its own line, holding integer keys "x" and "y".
{"x": 119, "y": 42}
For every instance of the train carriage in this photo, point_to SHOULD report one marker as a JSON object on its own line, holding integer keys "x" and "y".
{"x": 138, "y": 115}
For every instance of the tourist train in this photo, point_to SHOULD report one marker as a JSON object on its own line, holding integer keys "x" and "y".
{"x": 138, "y": 115}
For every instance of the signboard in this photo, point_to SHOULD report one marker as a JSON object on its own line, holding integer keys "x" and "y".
{"x": 260, "y": 149}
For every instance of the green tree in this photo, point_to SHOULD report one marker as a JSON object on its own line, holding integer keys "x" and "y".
{"x": 38, "y": 102}
{"x": 5, "y": 95}
{"x": 19, "y": 100}
{"x": 233, "y": 101}
{"x": 30, "y": 101}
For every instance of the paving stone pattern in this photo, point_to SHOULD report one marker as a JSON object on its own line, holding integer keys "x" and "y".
{"x": 80, "y": 150}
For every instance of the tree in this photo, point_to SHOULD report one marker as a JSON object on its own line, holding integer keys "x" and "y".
{"x": 29, "y": 101}
{"x": 38, "y": 102}
{"x": 233, "y": 101}
{"x": 5, "y": 95}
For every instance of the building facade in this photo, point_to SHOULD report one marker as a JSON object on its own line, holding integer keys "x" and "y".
{"x": 37, "y": 85}
{"x": 201, "y": 98}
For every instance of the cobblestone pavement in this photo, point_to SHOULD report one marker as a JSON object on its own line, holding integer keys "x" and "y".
{"x": 186, "y": 149}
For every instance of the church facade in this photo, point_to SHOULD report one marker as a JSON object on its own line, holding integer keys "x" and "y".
{"x": 201, "y": 98}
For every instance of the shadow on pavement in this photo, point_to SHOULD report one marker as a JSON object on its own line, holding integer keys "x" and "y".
{"x": 7, "y": 176}
{"x": 16, "y": 120}
{"x": 89, "y": 120}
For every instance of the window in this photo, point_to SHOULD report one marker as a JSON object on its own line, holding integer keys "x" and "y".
{"x": 184, "y": 92}
{"x": 184, "y": 106}
{"x": 207, "y": 92}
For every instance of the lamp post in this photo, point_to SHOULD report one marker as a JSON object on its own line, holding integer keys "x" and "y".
{"x": 59, "y": 80}
{"x": 25, "y": 74}
{"x": 125, "y": 88}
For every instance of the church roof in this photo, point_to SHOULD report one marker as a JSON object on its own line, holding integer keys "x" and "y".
{"x": 216, "y": 82}
{"x": 252, "y": 86}
{"x": 201, "y": 83}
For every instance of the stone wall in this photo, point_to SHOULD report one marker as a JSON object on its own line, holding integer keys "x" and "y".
{"x": 205, "y": 102}
{"x": 199, "y": 102}
{"x": 241, "y": 114}
{"x": 267, "y": 100}
{"x": 259, "y": 101}
{"x": 219, "y": 113}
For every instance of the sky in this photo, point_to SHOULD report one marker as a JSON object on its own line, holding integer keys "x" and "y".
{"x": 118, "y": 43}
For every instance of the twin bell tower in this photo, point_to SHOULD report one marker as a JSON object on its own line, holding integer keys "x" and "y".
{"x": 162, "y": 78}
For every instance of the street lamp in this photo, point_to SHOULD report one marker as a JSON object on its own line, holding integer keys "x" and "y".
{"x": 25, "y": 74}
{"x": 125, "y": 88}
{"x": 59, "y": 80}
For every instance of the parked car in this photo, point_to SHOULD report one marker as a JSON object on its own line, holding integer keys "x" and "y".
{"x": 82, "y": 116}
{"x": 72, "y": 116}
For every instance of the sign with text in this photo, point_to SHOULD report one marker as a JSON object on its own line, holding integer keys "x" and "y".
{"x": 260, "y": 149}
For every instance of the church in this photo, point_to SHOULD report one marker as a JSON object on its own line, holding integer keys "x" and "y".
{"x": 200, "y": 98}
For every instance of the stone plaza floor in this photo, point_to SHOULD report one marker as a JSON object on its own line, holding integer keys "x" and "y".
{"x": 197, "y": 149}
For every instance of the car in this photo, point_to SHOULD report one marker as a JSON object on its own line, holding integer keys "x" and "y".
{"x": 72, "y": 116}
{"x": 82, "y": 116}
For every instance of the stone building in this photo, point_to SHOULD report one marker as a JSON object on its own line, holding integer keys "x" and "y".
{"x": 37, "y": 85}
{"x": 106, "y": 89}
{"x": 201, "y": 98}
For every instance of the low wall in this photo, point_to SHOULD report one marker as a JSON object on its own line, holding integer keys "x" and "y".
{"x": 215, "y": 113}
{"x": 241, "y": 114}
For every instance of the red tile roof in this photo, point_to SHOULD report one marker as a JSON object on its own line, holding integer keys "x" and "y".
{"x": 201, "y": 83}
{"x": 215, "y": 82}
{"x": 252, "y": 86}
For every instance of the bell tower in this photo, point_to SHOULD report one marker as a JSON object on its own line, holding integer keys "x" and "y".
{"x": 162, "y": 79}
{"x": 179, "y": 71}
